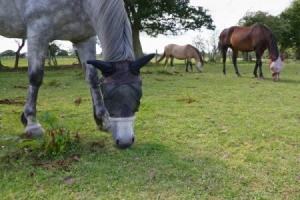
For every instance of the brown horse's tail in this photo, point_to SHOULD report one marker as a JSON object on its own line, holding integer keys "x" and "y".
{"x": 220, "y": 45}
{"x": 161, "y": 58}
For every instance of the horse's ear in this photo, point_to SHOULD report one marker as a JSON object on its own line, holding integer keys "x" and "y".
{"x": 139, "y": 63}
{"x": 272, "y": 57}
{"x": 283, "y": 57}
{"x": 106, "y": 68}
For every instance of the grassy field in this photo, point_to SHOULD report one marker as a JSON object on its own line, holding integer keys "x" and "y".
{"x": 23, "y": 62}
{"x": 198, "y": 136}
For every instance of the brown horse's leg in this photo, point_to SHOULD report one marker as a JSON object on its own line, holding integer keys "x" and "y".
{"x": 234, "y": 58}
{"x": 259, "y": 63}
{"x": 255, "y": 68}
{"x": 224, "y": 52}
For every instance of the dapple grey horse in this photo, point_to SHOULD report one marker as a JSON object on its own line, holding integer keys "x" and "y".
{"x": 42, "y": 21}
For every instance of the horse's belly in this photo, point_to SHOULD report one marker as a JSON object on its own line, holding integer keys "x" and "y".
{"x": 66, "y": 22}
{"x": 179, "y": 55}
{"x": 74, "y": 32}
{"x": 244, "y": 47}
{"x": 241, "y": 43}
{"x": 11, "y": 23}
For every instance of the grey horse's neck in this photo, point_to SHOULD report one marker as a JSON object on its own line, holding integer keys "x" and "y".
{"x": 113, "y": 29}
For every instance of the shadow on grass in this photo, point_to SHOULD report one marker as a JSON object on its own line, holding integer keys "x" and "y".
{"x": 154, "y": 168}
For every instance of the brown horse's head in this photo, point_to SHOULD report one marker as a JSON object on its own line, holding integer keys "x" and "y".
{"x": 276, "y": 66}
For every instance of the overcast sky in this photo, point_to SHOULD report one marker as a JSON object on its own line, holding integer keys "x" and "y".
{"x": 224, "y": 13}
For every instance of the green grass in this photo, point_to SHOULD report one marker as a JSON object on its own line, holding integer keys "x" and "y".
{"x": 238, "y": 139}
{"x": 23, "y": 62}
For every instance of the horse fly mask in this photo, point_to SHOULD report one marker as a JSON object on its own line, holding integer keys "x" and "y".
{"x": 121, "y": 87}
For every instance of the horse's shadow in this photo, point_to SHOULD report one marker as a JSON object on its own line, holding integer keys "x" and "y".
{"x": 160, "y": 164}
{"x": 292, "y": 81}
{"x": 284, "y": 80}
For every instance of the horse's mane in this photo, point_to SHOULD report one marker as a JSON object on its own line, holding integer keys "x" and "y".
{"x": 272, "y": 41}
{"x": 198, "y": 53}
{"x": 113, "y": 28}
{"x": 273, "y": 45}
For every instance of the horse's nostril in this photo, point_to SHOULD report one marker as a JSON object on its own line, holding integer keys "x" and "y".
{"x": 117, "y": 142}
{"x": 132, "y": 140}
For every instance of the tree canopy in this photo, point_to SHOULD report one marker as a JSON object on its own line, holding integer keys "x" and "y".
{"x": 169, "y": 17}
{"x": 8, "y": 53}
{"x": 286, "y": 26}
{"x": 291, "y": 17}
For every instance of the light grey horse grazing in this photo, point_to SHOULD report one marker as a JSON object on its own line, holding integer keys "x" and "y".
{"x": 41, "y": 21}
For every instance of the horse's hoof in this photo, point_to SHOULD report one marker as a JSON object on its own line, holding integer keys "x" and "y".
{"x": 262, "y": 78}
{"x": 105, "y": 129}
{"x": 23, "y": 119}
{"x": 107, "y": 126}
{"x": 35, "y": 129}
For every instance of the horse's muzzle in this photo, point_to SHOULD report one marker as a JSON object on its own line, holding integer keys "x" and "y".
{"x": 122, "y": 131}
{"x": 275, "y": 76}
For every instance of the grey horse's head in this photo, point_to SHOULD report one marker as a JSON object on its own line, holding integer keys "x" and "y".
{"x": 121, "y": 88}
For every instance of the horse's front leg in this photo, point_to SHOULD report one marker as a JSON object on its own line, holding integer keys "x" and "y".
{"x": 191, "y": 65}
{"x": 255, "y": 69}
{"x": 186, "y": 65}
{"x": 172, "y": 66}
{"x": 259, "y": 64}
{"x": 87, "y": 50}
{"x": 166, "y": 62}
{"x": 37, "y": 51}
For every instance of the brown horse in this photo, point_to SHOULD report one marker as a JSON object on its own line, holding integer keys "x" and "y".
{"x": 256, "y": 38}
{"x": 186, "y": 52}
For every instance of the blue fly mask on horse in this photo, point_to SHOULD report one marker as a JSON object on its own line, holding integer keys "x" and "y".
{"x": 121, "y": 87}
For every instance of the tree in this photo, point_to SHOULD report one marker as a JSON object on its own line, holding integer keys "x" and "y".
{"x": 199, "y": 43}
{"x": 20, "y": 46}
{"x": 1, "y": 66}
{"x": 62, "y": 52}
{"x": 208, "y": 46}
{"x": 169, "y": 17}
{"x": 8, "y": 53}
{"x": 53, "y": 50}
{"x": 212, "y": 44}
{"x": 292, "y": 35}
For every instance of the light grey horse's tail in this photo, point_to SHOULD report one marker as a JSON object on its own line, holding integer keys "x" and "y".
{"x": 161, "y": 58}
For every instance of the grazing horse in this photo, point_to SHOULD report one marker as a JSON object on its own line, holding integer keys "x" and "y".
{"x": 40, "y": 22}
{"x": 256, "y": 38}
{"x": 186, "y": 52}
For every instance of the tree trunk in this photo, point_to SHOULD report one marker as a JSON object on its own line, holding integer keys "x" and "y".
{"x": 297, "y": 53}
{"x": 78, "y": 58}
{"x": 137, "y": 47}
{"x": 1, "y": 66}
{"x": 18, "y": 53}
